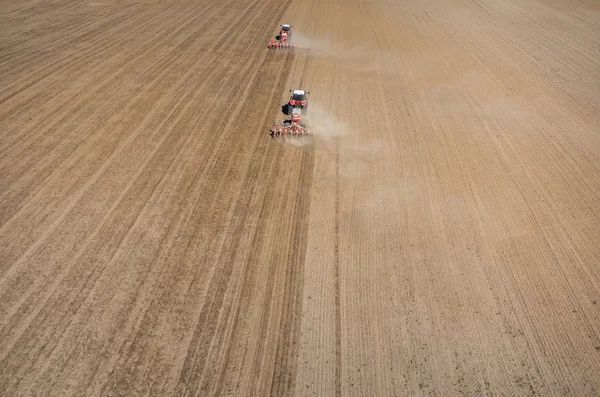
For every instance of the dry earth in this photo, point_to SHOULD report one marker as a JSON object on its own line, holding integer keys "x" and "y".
{"x": 440, "y": 234}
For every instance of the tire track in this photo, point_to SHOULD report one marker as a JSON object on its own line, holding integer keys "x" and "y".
{"x": 285, "y": 364}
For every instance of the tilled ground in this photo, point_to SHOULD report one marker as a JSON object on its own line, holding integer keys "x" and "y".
{"x": 440, "y": 234}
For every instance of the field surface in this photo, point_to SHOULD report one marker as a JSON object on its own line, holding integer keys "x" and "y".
{"x": 439, "y": 235}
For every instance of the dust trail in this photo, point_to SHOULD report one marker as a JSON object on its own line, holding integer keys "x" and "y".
{"x": 329, "y": 49}
{"x": 362, "y": 58}
{"x": 323, "y": 124}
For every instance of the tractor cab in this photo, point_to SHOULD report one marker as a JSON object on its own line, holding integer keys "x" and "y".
{"x": 299, "y": 95}
{"x": 298, "y": 99}
{"x": 286, "y": 29}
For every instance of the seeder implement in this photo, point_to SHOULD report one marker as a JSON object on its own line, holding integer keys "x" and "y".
{"x": 274, "y": 45}
{"x": 282, "y": 42}
{"x": 284, "y": 128}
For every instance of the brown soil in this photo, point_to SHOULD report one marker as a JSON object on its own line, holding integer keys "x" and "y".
{"x": 439, "y": 235}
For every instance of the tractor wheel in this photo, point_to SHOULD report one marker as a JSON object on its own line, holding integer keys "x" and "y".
{"x": 305, "y": 110}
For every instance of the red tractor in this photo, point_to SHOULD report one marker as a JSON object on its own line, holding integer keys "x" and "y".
{"x": 299, "y": 100}
{"x": 287, "y": 29}
{"x": 282, "y": 43}
{"x": 285, "y": 35}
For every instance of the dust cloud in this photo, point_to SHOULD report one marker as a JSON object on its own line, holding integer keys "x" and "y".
{"x": 329, "y": 49}
{"x": 324, "y": 124}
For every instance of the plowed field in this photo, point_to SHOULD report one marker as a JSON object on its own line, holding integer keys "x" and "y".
{"x": 439, "y": 235}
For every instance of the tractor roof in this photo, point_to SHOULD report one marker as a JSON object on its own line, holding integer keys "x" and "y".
{"x": 296, "y": 111}
{"x": 299, "y": 92}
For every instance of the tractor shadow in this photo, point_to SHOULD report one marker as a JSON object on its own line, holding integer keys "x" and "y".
{"x": 286, "y": 109}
